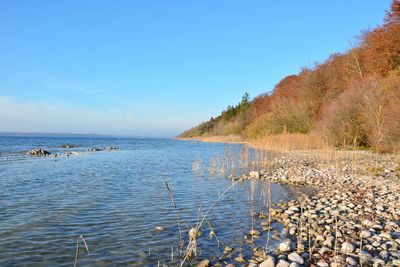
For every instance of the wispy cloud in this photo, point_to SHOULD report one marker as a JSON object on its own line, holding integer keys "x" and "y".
{"x": 46, "y": 117}
{"x": 41, "y": 116}
{"x": 29, "y": 116}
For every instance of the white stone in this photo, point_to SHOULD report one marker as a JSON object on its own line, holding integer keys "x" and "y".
{"x": 295, "y": 258}
{"x": 322, "y": 264}
{"x": 283, "y": 263}
{"x": 269, "y": 262}
{"x": 254, "y": 175}
{"x": 347, "y": 248}
{"x": 284, "y": 246}
{"x": 365, "y": 234}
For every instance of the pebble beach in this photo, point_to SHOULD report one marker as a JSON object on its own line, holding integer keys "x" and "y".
{"x": 351, "y": 219}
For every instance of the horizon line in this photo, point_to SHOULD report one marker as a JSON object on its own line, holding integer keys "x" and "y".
{"x": 69, "y": 134}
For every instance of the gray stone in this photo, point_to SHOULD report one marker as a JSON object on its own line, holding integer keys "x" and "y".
{"x": 384, "y": 255}
{"x": 365, "y": 234}
{"x": 351, "y": 261}
{"x": 365, "y": 257}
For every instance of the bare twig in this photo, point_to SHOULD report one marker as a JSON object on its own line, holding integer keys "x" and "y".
{"x": 77, "y": 248}
{"x": 176, "y": 214}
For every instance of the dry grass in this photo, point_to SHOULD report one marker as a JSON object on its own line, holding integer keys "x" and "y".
{"x": 291, "y": 141}
{"x": 176, "y": 214}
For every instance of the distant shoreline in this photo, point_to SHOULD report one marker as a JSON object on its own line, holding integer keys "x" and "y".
{"x": 232, "y": 139}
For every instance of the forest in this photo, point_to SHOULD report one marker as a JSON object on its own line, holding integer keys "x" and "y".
{"x": 350, "y": 99}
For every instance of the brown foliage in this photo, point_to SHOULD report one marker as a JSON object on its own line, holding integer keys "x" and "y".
{"x": 260, "y": 106}
{"x": 393, "y": 16}
{"x": 381, "y": 49}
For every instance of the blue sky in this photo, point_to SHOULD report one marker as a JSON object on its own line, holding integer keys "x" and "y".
{"x": 155, "y": 68}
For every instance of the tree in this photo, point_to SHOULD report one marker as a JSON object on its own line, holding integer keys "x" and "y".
{"x": 245, "y": 99}
{"x": 393, "y": 16}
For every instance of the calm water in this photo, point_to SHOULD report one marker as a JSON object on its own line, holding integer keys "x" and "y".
{"x": 115, "y": 199}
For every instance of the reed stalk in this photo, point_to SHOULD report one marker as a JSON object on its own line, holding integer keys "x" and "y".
{"x": 77, "y": 249}
{"x": 176, "y": 214}
{"x": 194, "y": 232}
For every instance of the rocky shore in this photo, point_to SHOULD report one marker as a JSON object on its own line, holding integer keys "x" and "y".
{"x": 38, "y": 152}
{"x": 353, "y": 219}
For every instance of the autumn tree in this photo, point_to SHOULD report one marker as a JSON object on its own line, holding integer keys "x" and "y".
{"x": 393, "y": 16}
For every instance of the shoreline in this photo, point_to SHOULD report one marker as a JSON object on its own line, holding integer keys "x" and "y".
{"x": 352, "y": 219}
{"x": 231, "y": 139}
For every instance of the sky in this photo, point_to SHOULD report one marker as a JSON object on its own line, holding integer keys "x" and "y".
{"x": 158, "y": 67}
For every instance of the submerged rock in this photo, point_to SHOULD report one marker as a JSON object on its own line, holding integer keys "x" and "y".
{"x": 67, "y": 146}
{"x": 111, "y": 148}
{"x": 72, "y": 153}
{"x": 94, "y": 149}
{"x": 254, "y": 232}
{"x": 160, "y": 228}
{"x": 227, "y": 250}
{"x": 204, "y": 263}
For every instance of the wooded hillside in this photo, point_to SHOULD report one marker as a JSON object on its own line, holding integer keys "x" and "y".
{"x": 352, "y": 98}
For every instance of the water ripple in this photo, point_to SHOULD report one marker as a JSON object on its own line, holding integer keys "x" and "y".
{"x": 116, "y": 199}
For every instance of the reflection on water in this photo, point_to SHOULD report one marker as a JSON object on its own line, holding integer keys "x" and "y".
{"x": 116, "y": 200}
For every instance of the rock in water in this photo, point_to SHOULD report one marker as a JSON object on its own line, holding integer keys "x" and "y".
{"x": 204, "y": 263}
{"x": 254, "y": 232}
{"x": 111, "y": 148}
{"x": 38, "y": 152}
{"x": 160, "y": 228}
{"x": 94, "y": 149}
{"x": 254, "y": 175}
{"x": 67, "y": 146}
{"x": 284, "y": 246}
{"x": 227, "y": 250}
{"x": 240, "y": 258}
